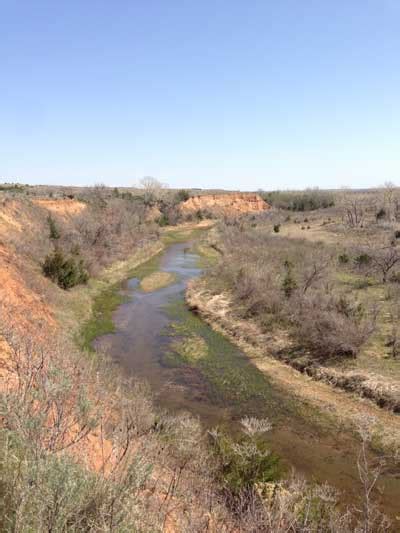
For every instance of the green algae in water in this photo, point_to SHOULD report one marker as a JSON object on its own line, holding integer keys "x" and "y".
{"x": 147, "y": 268}
{"x": 233, "y": 378}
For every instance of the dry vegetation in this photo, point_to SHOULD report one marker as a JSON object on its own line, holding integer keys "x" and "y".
{"x": 150, "y": 471}
{"x": 328, "y": 282}
{"x": 84, "y": 449}
{"x": 157, "y": 280}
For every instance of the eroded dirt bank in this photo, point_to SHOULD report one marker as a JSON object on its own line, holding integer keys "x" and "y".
{"x": 217, "y": 311}
{"x": 232, "y": 204}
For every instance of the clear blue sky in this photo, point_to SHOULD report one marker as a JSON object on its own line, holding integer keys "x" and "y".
{"x": 209, "y": 93}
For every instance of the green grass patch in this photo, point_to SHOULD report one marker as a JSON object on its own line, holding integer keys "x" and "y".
{"x": 356, "y": 282}
{"x": 106, "y": 302}
{"x": 182, "y": 235}
{"x": 233, "y": 379}
{"x": 101, "y": 322}
{"x": 147, "y": 268}
{"x": 208, "y": 256}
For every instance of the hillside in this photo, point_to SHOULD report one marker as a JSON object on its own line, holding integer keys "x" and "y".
{"x": 225, "y": 204}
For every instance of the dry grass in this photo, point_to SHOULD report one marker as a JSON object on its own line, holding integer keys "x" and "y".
{"x": 252, "y": 271}
{"x": 156, "y": 281}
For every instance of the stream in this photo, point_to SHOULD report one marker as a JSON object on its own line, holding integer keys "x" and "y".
{"x": 223, "y": 385}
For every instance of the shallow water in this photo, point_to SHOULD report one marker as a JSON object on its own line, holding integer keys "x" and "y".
{"x": 140, "y": 343}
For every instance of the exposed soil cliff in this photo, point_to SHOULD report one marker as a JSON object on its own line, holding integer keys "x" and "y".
{"x": 61, "y": 207}
{"x": 225, "y": 204}
{"x": 31, "y": 305}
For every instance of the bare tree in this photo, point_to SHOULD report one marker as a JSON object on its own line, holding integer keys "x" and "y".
{"x": 393, "y": 336}
{"x": 353, "y": 212}
{"x": 152, "y": 188}
{"x": 390, "y": 200}
{"x": 384, "y": 259}
{"x": 315, "y": 271}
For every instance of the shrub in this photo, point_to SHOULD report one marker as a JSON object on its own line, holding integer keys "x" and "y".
{"x": 55, "y": 494}
{"x": 397, "y": 234}
{"x": 66, "y": 272}
{"x": 300, "y": 201}
{"x": 362, "y": 283}
{"x": 343, "y": 258}
{"x": 289, "y": 284}
{"x": 362, "y": 259}
{"x": 332, "y": 327}
{"x": 182, "y": 195}
{"x": 54, "y": 232}
{"x": 277, "y": 228}
{"x": 380, "y": 214}
{"x": 163, "y": 220}
{"x": 247, "y": 461}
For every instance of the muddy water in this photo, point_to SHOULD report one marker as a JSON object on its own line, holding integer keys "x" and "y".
{"x": 301, "y": 436}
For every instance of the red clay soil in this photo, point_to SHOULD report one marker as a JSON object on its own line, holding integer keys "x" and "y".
{"x": 226, "y": 204}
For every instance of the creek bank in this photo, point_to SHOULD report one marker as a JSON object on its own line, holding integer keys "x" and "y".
{"x": 308, "y": 382}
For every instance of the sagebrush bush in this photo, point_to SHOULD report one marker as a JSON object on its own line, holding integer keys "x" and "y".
{"x": 52, "y": 492}
{"x": 244, "y": 463}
